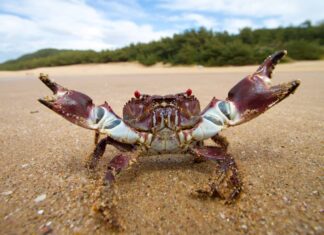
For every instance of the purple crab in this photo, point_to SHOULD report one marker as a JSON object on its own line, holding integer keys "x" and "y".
{"x": 155, "y": 124}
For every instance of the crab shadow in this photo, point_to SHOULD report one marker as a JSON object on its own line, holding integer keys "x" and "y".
{"x": 147, "y": 164}
{"x": 177, "y": 163}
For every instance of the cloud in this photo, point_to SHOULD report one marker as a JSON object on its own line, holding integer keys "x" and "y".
{"x": 192, "y": 19}
{"x": 271, "y": 23}
{"x": 312, "y": 9}
{"x": 235, "y": 7}
{"x": 120, "y": 9}
{"x": 262, "y": 13}
{"x": 29, "y": 25}
{"x": 234, "y": 24}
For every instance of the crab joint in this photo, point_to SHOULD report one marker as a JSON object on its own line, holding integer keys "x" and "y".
{"x": 146, "y": 139}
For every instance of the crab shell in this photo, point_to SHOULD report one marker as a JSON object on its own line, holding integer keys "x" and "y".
{"x": 153, "y": 113}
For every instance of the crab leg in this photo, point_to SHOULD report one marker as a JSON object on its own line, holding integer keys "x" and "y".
{"x": 221, "y": 141}
{"x": 228, "y": 168}
{"x": 96, "y": 137}
{"x": 101, "y": 147}
{"x": 117, "y": 165}
{"x": 107, "y": 198}
{"x": 79, "y": 109}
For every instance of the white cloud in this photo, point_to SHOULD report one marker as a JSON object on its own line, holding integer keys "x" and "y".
{"x": 200, "y": 20}
{"x": 271, "y": 23}
{"x": 30, "y": 25}
{"x": 236, "y": 7}
{"x": 190, "y": 19}
{"x": 263, "y": 12}
{"x": 120, "y": 9}
{"x": 235, "y": 24}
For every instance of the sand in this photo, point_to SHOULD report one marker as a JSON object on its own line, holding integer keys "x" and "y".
{"x": 44, "y": 185}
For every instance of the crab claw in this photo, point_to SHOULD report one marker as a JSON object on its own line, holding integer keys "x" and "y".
{"x": 78, "y": 108}
{"x": 254, "y": 94}
{"x": 72, "y": 105}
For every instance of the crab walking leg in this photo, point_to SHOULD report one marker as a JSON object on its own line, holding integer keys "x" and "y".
{"x": 117, "y": 165}
{"x": 79, "y": 109}
{"x": 101, "y": 147}
{"x": 106, "y": 204}
{"x": 96, "y": 155}
{"x": 96, "y": 137}
{"x": 221, "y": 141}
{"x": 227, "y": 166}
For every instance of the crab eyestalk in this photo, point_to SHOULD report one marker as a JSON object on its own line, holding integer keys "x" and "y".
{"x": 254, "y": 94}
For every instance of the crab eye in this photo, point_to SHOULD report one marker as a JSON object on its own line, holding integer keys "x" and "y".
{"x": 137, "y": 94}
{"x": 100, "y": 112}
{"x": 225, "y": 109}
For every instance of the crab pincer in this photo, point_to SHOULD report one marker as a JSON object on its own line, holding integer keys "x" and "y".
{"x": 254, "y": 94}
{"x": 74, "y": 106}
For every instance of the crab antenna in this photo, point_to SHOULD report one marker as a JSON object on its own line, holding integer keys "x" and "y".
{"x": 137, "y": 94}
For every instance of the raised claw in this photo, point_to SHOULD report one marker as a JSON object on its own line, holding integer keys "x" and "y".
{"x": 254, "y": 94}
{"x": 74, "y": 106}
{"x": 78, "y": 108}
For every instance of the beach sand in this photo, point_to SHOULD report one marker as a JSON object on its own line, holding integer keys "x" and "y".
{"x": 280, "y": 156}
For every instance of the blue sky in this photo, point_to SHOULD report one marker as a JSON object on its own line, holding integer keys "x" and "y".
{"x": 29, "y": 25}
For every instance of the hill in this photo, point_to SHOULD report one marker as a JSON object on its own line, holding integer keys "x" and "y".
{"x": 195, "y": 46}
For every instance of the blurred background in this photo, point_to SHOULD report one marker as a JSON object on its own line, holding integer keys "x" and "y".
{"x": 206, "y": 32}
{"x": 280, "y": 155}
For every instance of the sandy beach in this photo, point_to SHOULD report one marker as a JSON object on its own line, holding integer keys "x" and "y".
{"x": 44, "y": 185}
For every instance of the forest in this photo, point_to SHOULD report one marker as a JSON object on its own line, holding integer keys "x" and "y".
{"x": 195, "y": 46}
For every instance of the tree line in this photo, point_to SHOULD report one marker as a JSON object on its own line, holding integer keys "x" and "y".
{"x": 194, "y": 46}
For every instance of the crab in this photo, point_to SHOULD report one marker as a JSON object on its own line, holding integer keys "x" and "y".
{"x": 169, "y": 124}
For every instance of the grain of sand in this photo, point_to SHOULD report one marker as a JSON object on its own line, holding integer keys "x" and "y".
{"x": 280, "y": 156}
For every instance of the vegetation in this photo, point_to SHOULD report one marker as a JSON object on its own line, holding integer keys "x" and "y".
{"x": 201, "y": 46}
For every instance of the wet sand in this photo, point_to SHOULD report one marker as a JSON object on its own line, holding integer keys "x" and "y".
{"x": 280, "y": 156}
